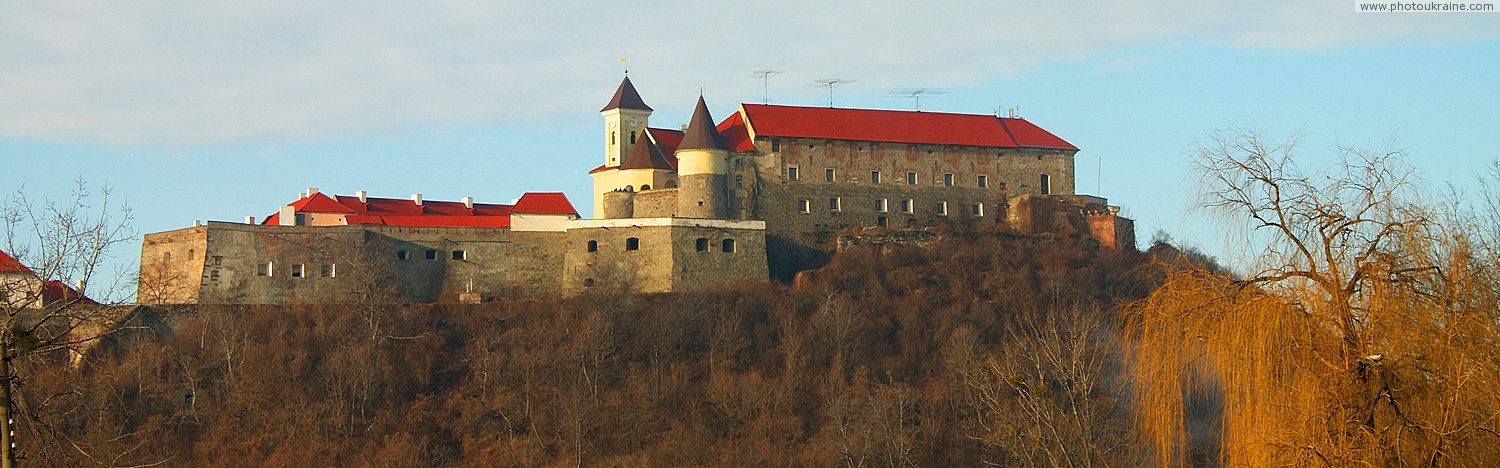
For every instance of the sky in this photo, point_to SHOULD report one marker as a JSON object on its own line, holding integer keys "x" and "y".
{"x": 210, "y": 110}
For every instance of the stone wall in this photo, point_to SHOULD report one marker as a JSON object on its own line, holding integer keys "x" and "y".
{"x": 655, "y": 203}
{"x": 666, "y": 255}
{"x": 172, "y": 266}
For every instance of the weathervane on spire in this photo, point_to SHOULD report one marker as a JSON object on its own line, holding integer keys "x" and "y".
{"x": 624, "y": 65}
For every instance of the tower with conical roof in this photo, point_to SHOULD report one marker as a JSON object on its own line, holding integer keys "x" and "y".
{"x": 702, "y": 168}
{"x": 625, "y": 120}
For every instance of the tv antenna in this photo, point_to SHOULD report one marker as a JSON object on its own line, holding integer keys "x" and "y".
{"x": 915, "y": 94}
{"x": 830, "y": 83}
{"x": 765, "y": 83}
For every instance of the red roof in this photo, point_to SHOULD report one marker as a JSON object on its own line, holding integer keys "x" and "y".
{"x": 545, "y": 203}
{"x": 9, "y": 264}
{"x": 667, "y": 140}
{"x": 933, "y": 128}
{"x": 54, "y": 291}
{"x": 406, "y": 212}
{"x": 736, "y": 135}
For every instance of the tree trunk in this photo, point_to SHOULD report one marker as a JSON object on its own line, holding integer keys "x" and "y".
{"x": 7, "y": 442}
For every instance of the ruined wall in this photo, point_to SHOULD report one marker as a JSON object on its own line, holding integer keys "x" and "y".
{"x": 172, "y": 266}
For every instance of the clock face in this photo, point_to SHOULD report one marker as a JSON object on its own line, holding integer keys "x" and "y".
{"x": 634, "y": 122}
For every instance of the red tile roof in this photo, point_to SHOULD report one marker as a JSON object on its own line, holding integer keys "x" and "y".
{"x": 736, "y": 135}
{"x": 54, "y": 291}
{"x": 934, "y": 128}
{"x": 431, "y": 213}
{"x": 667, "y": 140}
{"x": 9, "y": 264}
{"x": 545, "y": 203}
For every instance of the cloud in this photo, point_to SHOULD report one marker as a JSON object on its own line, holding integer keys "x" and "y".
{"x": 213, "y": 72}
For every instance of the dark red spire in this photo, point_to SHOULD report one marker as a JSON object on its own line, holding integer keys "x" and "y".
{"x": 700, "y": 132}
{"x": 626, "y": 98}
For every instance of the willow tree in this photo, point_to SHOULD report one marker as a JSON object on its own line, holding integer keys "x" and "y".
{"x": 1365, "y": 332}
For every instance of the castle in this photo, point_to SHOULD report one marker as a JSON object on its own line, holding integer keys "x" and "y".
{"x": 756, "y": 195}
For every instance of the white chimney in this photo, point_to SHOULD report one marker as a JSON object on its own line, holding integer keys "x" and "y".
{"x": 249, "y": 220}
{"x": 417, "y": 197}
{"x": 312, "y": 191}
{"x": 301, "y": 195}
{"x": 197, "y": 223}
{"x": 361, "y": 195}
{"x": 80, "y": 285}
{"x": 469, "y": 202}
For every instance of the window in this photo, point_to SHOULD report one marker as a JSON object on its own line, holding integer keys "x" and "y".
{"x": 297, "y": 271}
{"x": 632, "y": 137}
{"x": 828, "y": 175}
{"x": 632, "y": 244}
{"x": 330, "y": 270}
{"x": 218, "y": 260}
{"x": 791, "y": 173}
{"x": 729, "y": 245}
{"x": 906, "y": 206}
{"x": 645, "y": 187}
{"x": 835, "y": 204}
{"x": 984, "y": 182}
{"x": 874, "y": 177}
{"x": 432, "y": 254}
{"x": 1046, "y": 185}
{"x": 978, "y": 210}
{"x": 593, "y": 246}
{"x": 401, "y": 255}
{"x": 588, "y": 282}
{"x": 739, "y": 180}
{"x": 911, "y": 178}
{"x": 948, "y": 180}
{"x": 804, "y": 206}
{"x": 190, "y": 254}
{"x": 882, "y": 222}
{"x": 702, "y": 244}
{"x": 213, "y": 275}
{"x": 942, "y": 208}
{"x": 300, "y": 219}
{"x": 266, "y": 269}
{"x": 460, "y": 255}
{"x": 775, "y": 144}
{"x": 881, "y": 205}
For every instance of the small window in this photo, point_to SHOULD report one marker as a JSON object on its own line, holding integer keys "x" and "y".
{"x": 828, "y": 175}
{"x": 632, "y": 137}
{"x": 588, "y": 282}
{"x": 791, "y": 173}
{"x": 907, "y": 205}
{"x": 460, "y": 255}
{"x": 330, "y": 270}
{"x": 942, "y": 208}
{"x": 881, "y": 205}
{"x": 984, "y": 182}
{"x": 804, "y": 206}
{"x": 775, "y": 144}
{"x": 266, "y": 269}
{"x": 402, "y": 255}
{"x": 911, "y": 178}
{"x": 882, "y": 221}
{"x": 948, "y": 180}
{"x": 300, "y": 219}
{"x": 874, "y": 177}
{"x": 218, "y": 260}
{"x": 298, "y": 271}
{"x": 1046, "y": 185}
{"x": 728, "y": 245}
{"x": 213, "y": 275}
{"x": 593, "y": 246}
{"x": 645, "y": 187}
{"x": 190, "y": 254}
{"x": 977, "y": 210}
{"x": 739, "y": 180}
{"x": 432, "y": 254}
{"x": 633, "y": 243}
{"x": 835, "y": 204}
{"x": 702, "y": 244}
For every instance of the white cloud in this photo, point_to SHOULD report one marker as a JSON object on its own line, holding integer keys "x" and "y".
{"x": 208, "y": 72}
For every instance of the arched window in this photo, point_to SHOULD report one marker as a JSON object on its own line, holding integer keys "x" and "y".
{"x": 593, "y": 246}
{"x": 166, "y": 257}
{"x": 702, "y": 244}
{"x": 645, "y": 187}
{"x": 632, "y": 244}
{"x": 729, "y": 245}
{"x": 671, "y": 183}
{"x": 611, "y": 138}
{"x": 632, "y": 137}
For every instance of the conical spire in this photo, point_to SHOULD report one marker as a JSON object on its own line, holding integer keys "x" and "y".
{"x": 626, "y": 98}
{"x": 701, "y": 133}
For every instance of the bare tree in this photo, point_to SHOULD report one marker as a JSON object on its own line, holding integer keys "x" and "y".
{"x": 1354, "y": 338}
{"x": 59, "y": 242}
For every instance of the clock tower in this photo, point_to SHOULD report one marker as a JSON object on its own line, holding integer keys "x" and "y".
{"x": 625, "y": 119}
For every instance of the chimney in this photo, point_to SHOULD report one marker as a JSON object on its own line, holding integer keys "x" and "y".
{"x": 361, "y": 195}
{"x": 249, "y": 220}
{"x": 312, "y": 191}
{"x": 469, "y": 202}
{"x": 417, "y": 198}
{"x": 80, "y": 284}
{"x": 197, "y": 223}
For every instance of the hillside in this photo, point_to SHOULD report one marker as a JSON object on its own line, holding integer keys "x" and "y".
{"x": 970, "y": 348}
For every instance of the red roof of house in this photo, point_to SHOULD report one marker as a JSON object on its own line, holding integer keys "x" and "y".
{"x": 934, "y": 128}
{"x": 545, "y": 203}
{"x": 667, "y": 140}
{"x": 431, "y": 213}
{"x": 54, "y": 291}
{"x": 736, "y": 135}
{"x": 9, "y": 264}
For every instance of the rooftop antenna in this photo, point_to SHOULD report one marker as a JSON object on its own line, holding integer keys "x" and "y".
{"x": 915, "y": 94}
{"x": 765, "y": 83}
{"x": 830, "y": 83}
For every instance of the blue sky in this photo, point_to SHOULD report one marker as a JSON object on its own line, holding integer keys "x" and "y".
{"x": 215, "y": 110}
